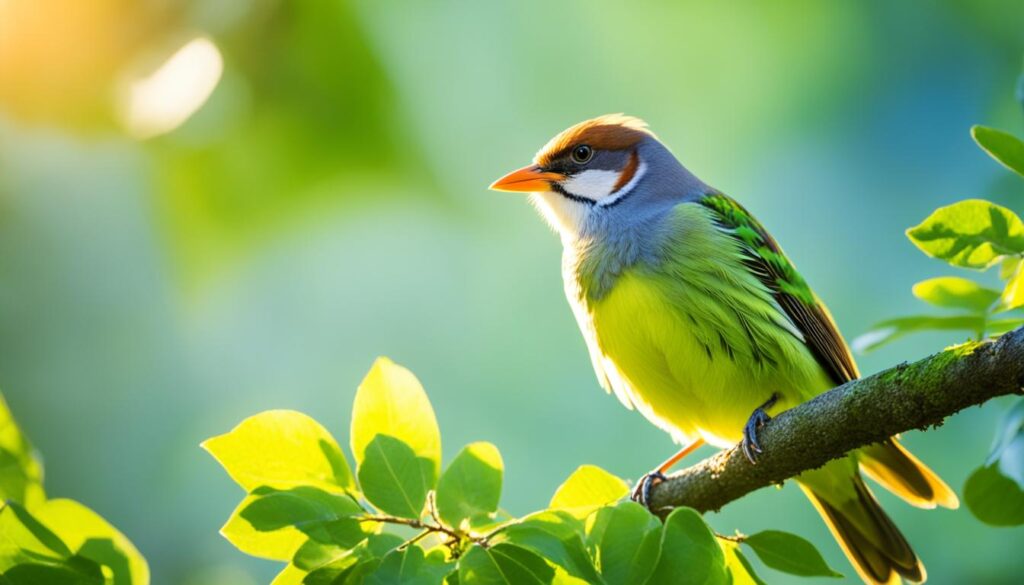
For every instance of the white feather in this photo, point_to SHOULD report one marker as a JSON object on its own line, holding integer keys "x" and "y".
{"x": 564, "y": 215}
{"x": 593, "y": 184}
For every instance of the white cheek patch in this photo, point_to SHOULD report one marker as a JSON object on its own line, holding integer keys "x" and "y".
{"x": 599, "y": 185}
{"x": 593, "y": 184}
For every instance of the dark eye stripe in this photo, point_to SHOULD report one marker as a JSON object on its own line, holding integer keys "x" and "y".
{"x": 558, "y": 189}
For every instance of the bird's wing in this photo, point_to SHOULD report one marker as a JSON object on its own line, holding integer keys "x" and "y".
{"x": 769, "y": 264}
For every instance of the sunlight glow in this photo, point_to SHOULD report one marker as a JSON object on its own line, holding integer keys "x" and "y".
{"x": 164, "y": 99}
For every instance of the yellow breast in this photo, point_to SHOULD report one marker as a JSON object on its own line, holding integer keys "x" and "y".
{"x": 668, "y": 363}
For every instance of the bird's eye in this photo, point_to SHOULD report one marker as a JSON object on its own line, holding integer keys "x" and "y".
{"x": 582, "y": 154}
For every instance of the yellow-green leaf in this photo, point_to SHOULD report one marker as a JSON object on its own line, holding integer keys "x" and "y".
{"x": 394, "y": 478}
{"x": 1004, "y": 147}
{"x": 390, "y": 401}
{"x": 409, "y": 566}
{"x": 558, "y": 537}
{"x": 1008, "y": 266}
{"x": 690, "y": 553}
{"x": 503, "y": 564}
{"x": 1013, "y": 293}
{"x": 956, "y": 293}
{"x": 21, "y": 480}
{"x": 893, "y": 329}
{"x": 290, "y": 575}
{"x": 739, "y": 567}
{"x": 278, "y": 545}
{"x": 471, "y": 485}
{"x": 273, "y": 524}
{"x": 625, "y": 541}
{"x": 30, "y": 553}
{"x": 588, "y": 487}
{"x": 1000, "y": 326}
{"x": 970, "y": 234}
{"x": 24, "y": 539}
{"x": 88, "y": 535}
{"x": 282, "y": 449}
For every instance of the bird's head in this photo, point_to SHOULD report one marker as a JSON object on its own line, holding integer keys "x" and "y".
{"x": 590, "y": 169}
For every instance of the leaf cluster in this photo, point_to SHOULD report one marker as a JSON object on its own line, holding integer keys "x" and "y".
{"x": 977, "y": 235}
{"x": 400, "y": 519}
{"x": 54, "y": 541}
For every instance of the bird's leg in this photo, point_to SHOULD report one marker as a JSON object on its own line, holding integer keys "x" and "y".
{"x": 751, "y": 448}
{"x": 642, "y": 491}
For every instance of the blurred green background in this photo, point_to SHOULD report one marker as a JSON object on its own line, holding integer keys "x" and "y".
{"x": 208, "y": 209}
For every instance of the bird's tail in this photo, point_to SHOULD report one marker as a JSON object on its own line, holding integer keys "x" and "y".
{"x": 898, "y": 471}
{"x": 874, "y": 545}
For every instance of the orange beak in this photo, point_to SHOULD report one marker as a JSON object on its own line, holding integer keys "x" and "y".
{"x": 528, "y": 179}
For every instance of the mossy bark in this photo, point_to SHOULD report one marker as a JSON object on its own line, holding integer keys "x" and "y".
{"x": 909, "y": 396}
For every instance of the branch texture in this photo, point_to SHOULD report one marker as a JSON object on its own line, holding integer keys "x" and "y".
{"x": 858, "y": 413}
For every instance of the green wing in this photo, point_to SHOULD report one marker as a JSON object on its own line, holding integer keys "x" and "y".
{"x": 769, "y": 264}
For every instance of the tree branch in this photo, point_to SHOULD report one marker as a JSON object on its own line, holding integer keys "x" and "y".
{"x": 858, "y": 413}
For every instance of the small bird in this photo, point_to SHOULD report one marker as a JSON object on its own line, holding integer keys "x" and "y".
{"x": 694, "y": 316}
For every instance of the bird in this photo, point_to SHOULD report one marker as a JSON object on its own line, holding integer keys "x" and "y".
{"x": 694, "y": 316}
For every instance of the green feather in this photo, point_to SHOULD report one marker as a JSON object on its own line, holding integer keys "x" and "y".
{"x": 766, "y": 260}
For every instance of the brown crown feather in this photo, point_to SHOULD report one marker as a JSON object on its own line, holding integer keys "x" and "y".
{"x": 609, "y": 132}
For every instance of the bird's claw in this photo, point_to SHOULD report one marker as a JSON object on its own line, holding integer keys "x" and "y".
{"x": 750, "y": 445}
{"x": 642, "y": 492}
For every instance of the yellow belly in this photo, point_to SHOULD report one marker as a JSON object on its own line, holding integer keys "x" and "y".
{"x": 683, "y": 384}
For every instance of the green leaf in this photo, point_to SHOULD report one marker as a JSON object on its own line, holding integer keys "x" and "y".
{"x": 282, "y": 449}
{"x": 588, "y": 488}
{"x": 503, "y": 564}
{"x": 1006, "y": 148}
{"x": 1013, "y": 293}
{"x": 789, "y": 553}
{"x": 892, "y": 329}
{"x": 394, "y": 478}
{"x": 995, "y": 492}
{"x": 74, "y": 571}
{"x": 740, "y": 569}
{"x": 89, "y": 536}
{"x": 273, "y": 524}
{"x": 1008, "y": 267}
{"x": 24, "y": 538}
{"x": 330, "y": 564}
{"x": 312, "y": 555}
{"x": 994, "y": 498}
{"x": 471, "y": 486}
{"x": 340, "y": 572}
{"x": 390, "y": 401}
{"x": 956, "y": 293}
{"x": 556, "y": 536}
{"x": 409, "y": 567}
{"x": 970, "y": 234}
{"x": 624, "y": 540}
{"x": 30, "y": 553}
{"x": 690, "y": 553}
{"x": 1000, "y": 326}
{"x": 22, "y": 476}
